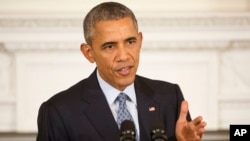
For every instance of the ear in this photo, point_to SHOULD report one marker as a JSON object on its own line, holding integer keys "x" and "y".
{"x": 87, "y": 51}
{"x": 140, "y": 38}
{"x": 140, "y": 35}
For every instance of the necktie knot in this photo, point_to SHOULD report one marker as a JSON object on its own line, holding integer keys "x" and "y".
{"x": 122, "y": 98}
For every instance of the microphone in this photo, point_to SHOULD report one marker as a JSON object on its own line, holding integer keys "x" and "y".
{"x": 127, "y": 131}
{"x": 158, "y": 133}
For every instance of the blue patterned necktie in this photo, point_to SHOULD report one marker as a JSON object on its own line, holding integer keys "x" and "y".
{"x": 123, "y": 113}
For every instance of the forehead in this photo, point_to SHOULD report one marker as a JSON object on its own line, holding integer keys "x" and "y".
{"x": 114, "y": 26}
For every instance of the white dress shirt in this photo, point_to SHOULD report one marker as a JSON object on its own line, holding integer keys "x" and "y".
{"x": 111, "y": 94}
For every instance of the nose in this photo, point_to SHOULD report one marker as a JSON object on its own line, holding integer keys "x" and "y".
{"x": 122, "y": 53}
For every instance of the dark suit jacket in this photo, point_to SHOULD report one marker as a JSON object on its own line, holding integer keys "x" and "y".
{"x": 81, "y": 113}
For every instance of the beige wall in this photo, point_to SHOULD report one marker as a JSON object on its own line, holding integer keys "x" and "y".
{"x": 78, "y": 6}
{"x": 203, "y": 45}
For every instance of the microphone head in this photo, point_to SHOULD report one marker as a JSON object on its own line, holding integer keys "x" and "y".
{"x": 127, "y": 131}
{"x": 158, "y": 132}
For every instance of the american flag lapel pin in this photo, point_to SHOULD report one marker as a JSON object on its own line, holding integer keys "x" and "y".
{"x": 151, "y": 109}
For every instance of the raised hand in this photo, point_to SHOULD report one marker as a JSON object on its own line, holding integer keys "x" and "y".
{"x": 189, "y": 130}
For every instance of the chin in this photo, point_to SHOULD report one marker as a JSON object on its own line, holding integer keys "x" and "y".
{"x": 128, "y": 81}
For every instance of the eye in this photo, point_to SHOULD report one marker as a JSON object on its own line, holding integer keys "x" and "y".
{"x": 108, "y": 47}
{"x": 131, "y": 41}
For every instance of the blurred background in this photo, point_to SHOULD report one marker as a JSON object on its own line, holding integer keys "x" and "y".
{"x": 202, "y": 45}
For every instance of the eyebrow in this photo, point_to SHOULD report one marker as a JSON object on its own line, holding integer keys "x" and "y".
{"x": 130, "y": 38}
{"x": 108, "y": 43}
{"x": 114, "y": 42}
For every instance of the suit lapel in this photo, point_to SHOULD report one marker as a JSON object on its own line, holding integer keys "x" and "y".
{"x": 98, "y": 111}
{"x": 148, "y": 108}
{"x": 96, "y": 108}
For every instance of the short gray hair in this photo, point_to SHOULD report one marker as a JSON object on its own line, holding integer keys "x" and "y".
{"x": 104, "y": 12}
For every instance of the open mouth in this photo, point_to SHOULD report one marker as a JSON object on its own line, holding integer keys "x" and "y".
{"x": 124, "y": 71}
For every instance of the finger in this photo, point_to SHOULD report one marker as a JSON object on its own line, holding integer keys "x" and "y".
{"x": 183, "y": 111}
{"x": 201, "y": 129}
{"x": 197, "y": 120}
{"x": 200, "y": 126}
{"x": 201, "y": 132}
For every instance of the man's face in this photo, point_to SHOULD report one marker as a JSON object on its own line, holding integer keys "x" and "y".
{"x": 115, "y": 49}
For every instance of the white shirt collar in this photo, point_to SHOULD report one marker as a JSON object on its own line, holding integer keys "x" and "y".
{"x": 111, "y": 93}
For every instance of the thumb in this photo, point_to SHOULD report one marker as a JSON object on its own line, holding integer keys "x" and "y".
{"x": 183, "y": 111}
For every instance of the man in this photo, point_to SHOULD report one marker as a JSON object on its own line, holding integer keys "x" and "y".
{"x": 89, "y": 111}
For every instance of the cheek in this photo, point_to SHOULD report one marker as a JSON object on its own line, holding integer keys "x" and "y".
{"x": 136, "y": 54}
{"x": 106, "y": 61}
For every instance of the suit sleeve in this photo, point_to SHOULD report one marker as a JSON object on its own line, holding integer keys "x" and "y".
{"x": 50, "y": 125}
{"x": 180, "y": 98}
{"x": 42, "y": 123}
